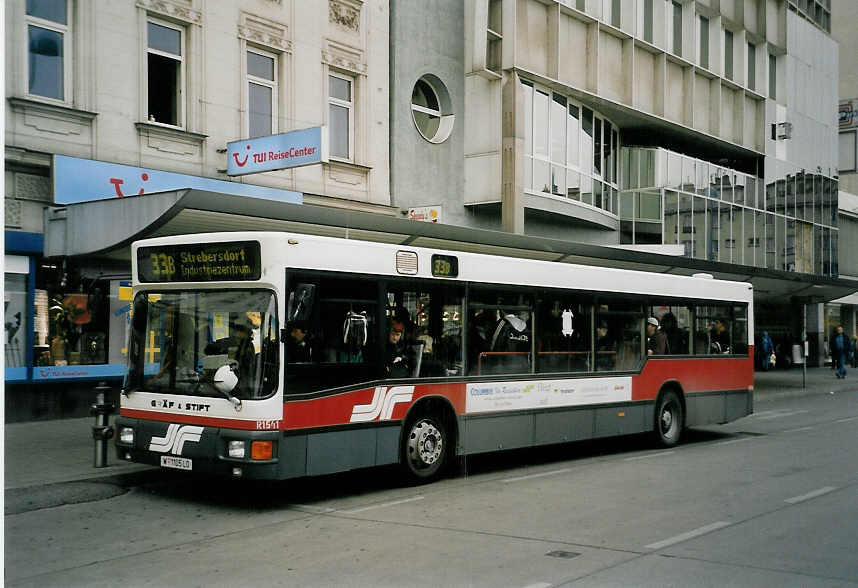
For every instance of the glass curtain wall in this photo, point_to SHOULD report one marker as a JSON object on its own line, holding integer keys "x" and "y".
{"x": 570, "y": 151}
{"x": 719, "y": 214}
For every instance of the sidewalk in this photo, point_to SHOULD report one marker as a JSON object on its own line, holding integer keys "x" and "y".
{"x": 49, "y": 452}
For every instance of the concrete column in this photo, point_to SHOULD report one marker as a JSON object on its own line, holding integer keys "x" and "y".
{"x": 512, "y": 158}
{"x": 816, "y": 334}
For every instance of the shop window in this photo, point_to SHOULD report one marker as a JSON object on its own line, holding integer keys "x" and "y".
{"x": 48, "y": 49}
{"x": 78, "y": 325}
{"x": 166, "y": 73}
{"x": 15, "y": 319}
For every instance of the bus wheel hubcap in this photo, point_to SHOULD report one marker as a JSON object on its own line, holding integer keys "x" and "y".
{"x": 425, "y": 443}
{"x": 666, "y": 420}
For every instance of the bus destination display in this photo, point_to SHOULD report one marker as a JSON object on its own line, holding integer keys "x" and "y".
{"x": 445, "y": 266}
{"x": 200, "y": 262}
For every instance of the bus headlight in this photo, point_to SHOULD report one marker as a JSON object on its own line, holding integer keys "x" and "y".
{"x": 236, "y": 449}
{"x": 126, "y": 435}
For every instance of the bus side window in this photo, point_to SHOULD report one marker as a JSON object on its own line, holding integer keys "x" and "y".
{"x": 563, "y": 335}
{"x": 431, "y": 319}
{"x": 499, "y": 332}
{"x": 623, "y": 322}
{"x": 332, "y": 339}
{"x": 675, "y": 322}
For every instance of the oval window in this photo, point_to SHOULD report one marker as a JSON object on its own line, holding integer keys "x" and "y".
{"x": 431, "y": 109}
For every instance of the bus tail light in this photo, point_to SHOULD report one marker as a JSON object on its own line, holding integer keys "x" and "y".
{"x": 262, "y": 450}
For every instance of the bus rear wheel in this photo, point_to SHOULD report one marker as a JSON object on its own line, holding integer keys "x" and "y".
{"x": 424, "y": 448}
{"x": 669, "y": 419}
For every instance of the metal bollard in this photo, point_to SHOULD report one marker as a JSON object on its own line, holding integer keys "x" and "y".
{"x": 102, "y": 432}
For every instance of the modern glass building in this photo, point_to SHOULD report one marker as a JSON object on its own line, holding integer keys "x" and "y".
{"x": 700, "y": 131}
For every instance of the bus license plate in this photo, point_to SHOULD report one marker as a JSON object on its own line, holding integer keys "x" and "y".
{"x": 177, "y": 463}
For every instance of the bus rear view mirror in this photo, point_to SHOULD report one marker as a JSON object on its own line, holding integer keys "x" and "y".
{"x": 301, "y": 302}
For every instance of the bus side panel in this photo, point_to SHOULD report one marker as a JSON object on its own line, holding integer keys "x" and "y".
{"x": 377, "y": 404}
{"x": 491, "y": 432}
{"x": 620, "y": 420}
{"x": 495, "y": 431}
{"x": 717, "y": 390}
{"x": 704, "y": 374}
{"x": 563, "y": 426}
{"x": 328, "y": 452}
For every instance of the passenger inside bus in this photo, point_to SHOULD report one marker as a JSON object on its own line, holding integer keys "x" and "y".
{"x": 606, "y": 348}
{"x": 300, "y": 344}
{"x": 719, "y": 337}
{"x": 398, "y": 357}
{"x": 677, "y": 339}
{"x": 238, "y": 346}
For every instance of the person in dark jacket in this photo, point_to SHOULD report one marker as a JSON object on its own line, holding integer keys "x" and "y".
{"x": 656, "y": 341}
{"x": 398, "y": 361}
{"x": 841, "y": 349}
{"x": 767, "y": 347}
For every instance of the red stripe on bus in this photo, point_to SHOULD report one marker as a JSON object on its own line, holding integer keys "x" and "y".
{"x": 338, "y": 409}
{"x": 694, "y": 375}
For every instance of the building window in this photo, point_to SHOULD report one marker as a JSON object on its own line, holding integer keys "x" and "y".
{"x": 615, "y": 13}
{"x": 494, "y": 36}
{"x": 431, "y": 109}
{"x": 647, "y": 21}
{"x": 677, "y": 28}
{"x": 568, "y": 150}
{"x": 48, "y": 52}
{"x": 166, "y": 73}
{"x": 728, "y": 55}
{"x": 847, "y": 144}
{"x": 773, "y": 76}
{"x": 752, "y": 66}
{"x": 261, "y": 93}
{"x": 340, "y": 115}
{"x": 704, "y": 42}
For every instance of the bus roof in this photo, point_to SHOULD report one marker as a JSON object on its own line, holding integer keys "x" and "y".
{"x": 312, "y": 252}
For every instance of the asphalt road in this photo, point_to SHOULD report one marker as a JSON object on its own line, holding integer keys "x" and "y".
{"x": 770, "y": 500}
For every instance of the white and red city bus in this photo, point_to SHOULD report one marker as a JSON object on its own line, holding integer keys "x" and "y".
{"x": 278, "y": 355}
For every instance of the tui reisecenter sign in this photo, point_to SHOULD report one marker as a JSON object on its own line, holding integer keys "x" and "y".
{"x": 293, "y": 149}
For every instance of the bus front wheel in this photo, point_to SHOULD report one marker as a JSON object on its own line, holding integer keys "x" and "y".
{"x": 669, "y": 419}
{"x": 424, "y": 447}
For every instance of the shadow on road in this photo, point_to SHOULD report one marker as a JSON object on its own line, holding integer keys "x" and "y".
{"x": 254, "y": 496}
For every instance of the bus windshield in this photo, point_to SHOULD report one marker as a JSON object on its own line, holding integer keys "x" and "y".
{"x": 204, "y": 343}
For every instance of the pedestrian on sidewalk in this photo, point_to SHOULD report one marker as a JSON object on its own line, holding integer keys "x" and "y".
{"x": 855, "y": 351}
{"x": 767, "y": 350}
{"x": 841, "y": 350}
